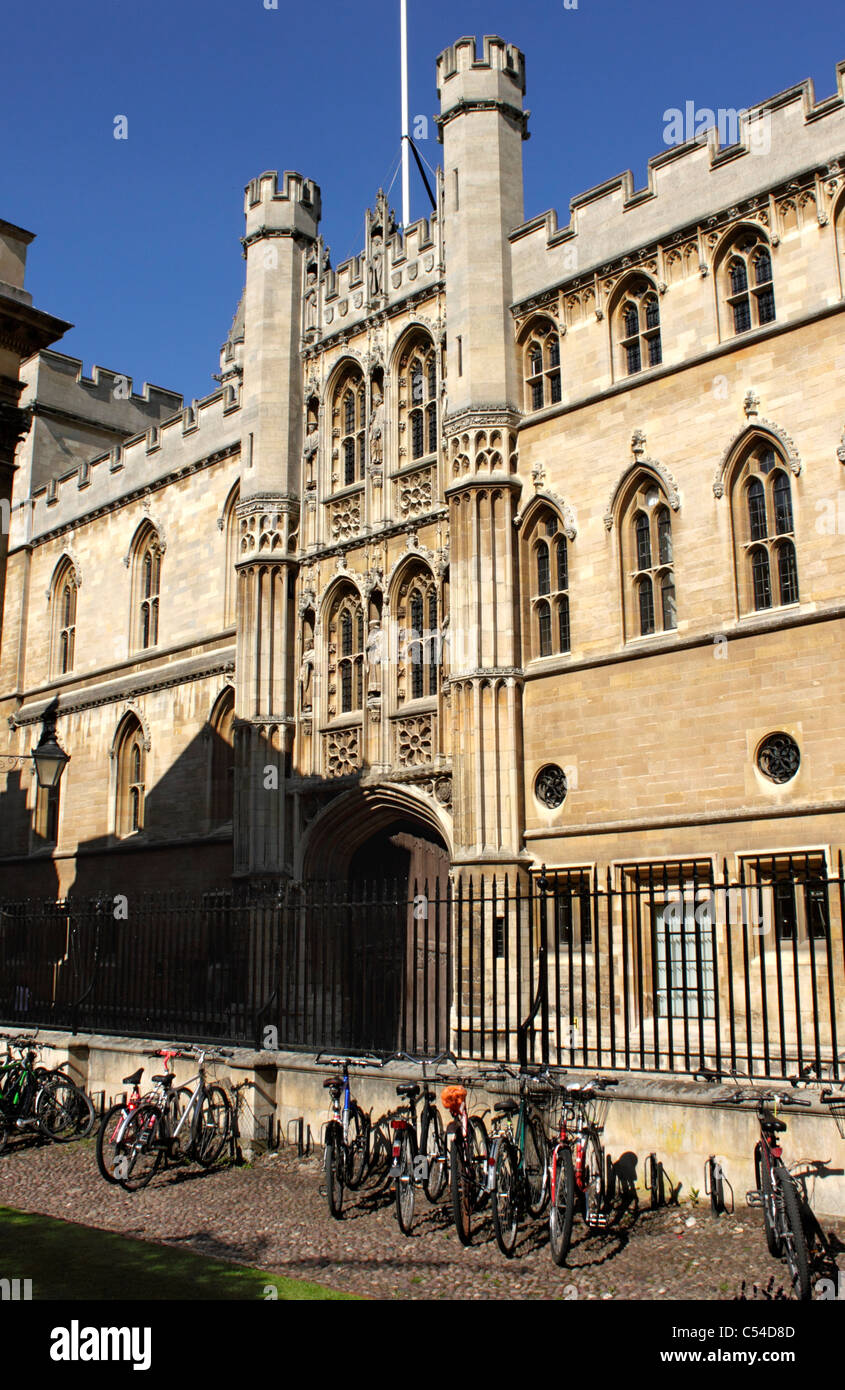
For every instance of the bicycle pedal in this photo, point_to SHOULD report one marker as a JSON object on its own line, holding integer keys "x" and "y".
{"x": 753, "y": 1199}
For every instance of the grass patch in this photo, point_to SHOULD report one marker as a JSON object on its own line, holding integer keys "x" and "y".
{"x": 67, "y": 1261}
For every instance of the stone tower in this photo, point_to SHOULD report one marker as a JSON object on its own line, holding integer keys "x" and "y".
{"x": 482, "y": 126}
{"x": 281, "y": 227}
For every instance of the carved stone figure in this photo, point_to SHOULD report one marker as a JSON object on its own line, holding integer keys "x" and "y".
{"x": 311, "y": 299}
{"x": 375, "y": 649}
{"x": 376, "y": 266}
{"x": 376, "y": 430}
{"x": 306, "y": 676}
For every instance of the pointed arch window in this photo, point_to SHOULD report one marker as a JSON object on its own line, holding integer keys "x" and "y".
{"x": 764, "y": 529}
{"x": 349, "y": 420}
{"x": 648, "y": 559}
{"x": 746, "y": 280}
{"x": 63, "y": 600}
{"x": 419, "y": 637}
{"x": 418, "y": 427}
{"x": 542, "y": 366}
{"x": 131, "y": 779}
{"x": 146, "y": 588}
{"x": 223, "y": 759}
{"x": 547, "y": 574}
{"x": 230, "y": 528}
{"x": 638, "y": 327}
{"x": 346, "y": 655}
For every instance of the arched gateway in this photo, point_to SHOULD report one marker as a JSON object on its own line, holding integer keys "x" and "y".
{"x": 375, "y": 867}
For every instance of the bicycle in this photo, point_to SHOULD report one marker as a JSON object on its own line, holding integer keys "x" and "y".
{"x": 419, "y": 1146}
{"x": 518, "y": 1155}
{"x": 110, "y": 1135}
{"x": 776, "y": 1191}
{"x": 34, "y": 1097}
{"x": 577, "y": 1168}
{"x": 153, "y": 1132}
{"x": 468, "y": 1143}
{"x": 347, "y": 1142}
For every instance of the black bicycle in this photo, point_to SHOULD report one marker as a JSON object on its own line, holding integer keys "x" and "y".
{"x": 419, "y": 1143}
{"x": 519, "y": 1153}
{"x": 346, "y": 1155}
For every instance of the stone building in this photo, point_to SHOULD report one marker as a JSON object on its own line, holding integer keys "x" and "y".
{"x": 502, "y": 544}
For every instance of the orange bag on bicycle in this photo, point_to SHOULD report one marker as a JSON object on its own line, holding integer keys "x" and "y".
{"x": 453, "y": 1097}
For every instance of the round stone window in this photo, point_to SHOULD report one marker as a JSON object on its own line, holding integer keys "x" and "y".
{"x": 550, "y": 786}
{"x": 779, "y": 758}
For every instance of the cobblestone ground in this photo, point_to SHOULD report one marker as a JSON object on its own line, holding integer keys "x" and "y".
{"x": 272, "y": 1215}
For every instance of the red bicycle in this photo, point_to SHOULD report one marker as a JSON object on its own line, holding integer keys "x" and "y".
{"x": 114, "y": 1122}
{"x": 577, "y": 1163}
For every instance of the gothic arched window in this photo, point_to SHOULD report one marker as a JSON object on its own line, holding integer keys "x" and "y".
{"x": 223, "y": 758}
{"x": 745, "y": 278}
{"x": 63, "y": 592}
{"x": 764, "y": 529}
{"x": 638, "y": 327}
{"x": 648, "y": 561}
{"x": 542, "y": 367}
{"x": 418, "y": 415}
{"x": 346, "y": 654}
{"x": 131, "y": 778}
{"x": 146, "y": 588}
{"x": 547, "y": 574}
{"x": 349, "y": 427}
{"x": 419, "y": 637}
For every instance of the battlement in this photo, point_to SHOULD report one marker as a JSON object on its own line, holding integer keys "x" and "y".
{"x": 403, "y": 250}
{"x": 51, "y": 375}
{"x": 775, "y": 140}
{"x": 199, "y": 431}
{"x": 296, "y": 208}
{"x": 499, "y": 57}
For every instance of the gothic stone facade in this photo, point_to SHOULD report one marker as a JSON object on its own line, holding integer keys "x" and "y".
{"x": 524, "y": 540}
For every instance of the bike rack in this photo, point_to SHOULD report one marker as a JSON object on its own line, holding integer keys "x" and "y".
{"x": 715, "y": 1183}
{"x": 303, "y": 1137}
{"x": 654, "y": 1177}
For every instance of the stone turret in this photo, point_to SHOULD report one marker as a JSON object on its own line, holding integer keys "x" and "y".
{"x": 482, "y": 126}
{"x": 281, "y": 228}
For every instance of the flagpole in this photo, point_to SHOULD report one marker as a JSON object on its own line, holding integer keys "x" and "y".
{"x": 406, "y": 168}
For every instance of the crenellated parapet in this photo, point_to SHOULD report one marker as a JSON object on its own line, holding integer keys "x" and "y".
{"x": 468, "y": 83}
{"x": 202, "y": 433}
{"x": 748, "y": 157}
{"x": 294, "y": 210}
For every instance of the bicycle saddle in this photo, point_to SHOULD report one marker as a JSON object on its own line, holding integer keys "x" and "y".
{"x": 134, "y": 1079}
{"x": 506, "y": 1107}
{"x": 166, "y": 1080}
{"x": 408, "y": 1088}
{"x": 333, "y": 1081}
{"x": 776, "y": 1126}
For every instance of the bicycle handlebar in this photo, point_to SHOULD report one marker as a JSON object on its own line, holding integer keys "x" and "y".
{"x": 445, "y": 1056}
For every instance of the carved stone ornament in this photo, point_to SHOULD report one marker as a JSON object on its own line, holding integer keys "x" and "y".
{"x": 550, "y": 786}
{"x": 779, "y": 758}
{"x": 780, "y": 437}
{"x": 342, "y": 749}
{"x": 414, "y": 738}
{"x": 840, "y": 452}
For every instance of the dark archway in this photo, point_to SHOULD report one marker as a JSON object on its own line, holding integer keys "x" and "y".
{"x": 382, "y": 939}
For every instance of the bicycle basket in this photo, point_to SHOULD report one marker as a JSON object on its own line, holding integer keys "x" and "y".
{"x": 570, "y": 1105}
{"x": 536, "y": 1089}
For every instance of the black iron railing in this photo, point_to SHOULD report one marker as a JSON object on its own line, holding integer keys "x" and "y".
{"x": 649, "y": 968}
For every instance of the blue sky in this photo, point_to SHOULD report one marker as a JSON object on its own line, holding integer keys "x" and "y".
{"x": 138, "y": 239}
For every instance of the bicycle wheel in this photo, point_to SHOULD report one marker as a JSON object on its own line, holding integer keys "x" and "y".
{"x": 57, "y": 1109}
{"x": 142, "y": 1148}
{"x": 764, "y": 1187}
{"x": 110, "y": 1142}
{"x": 536, "y": 1165}
{"x": 462, "y": 1191}
{"x": 213, "y": 1126}
{"x": 180, "y": 1146}
{"x": 562, "y": 1211}
{"x": 357, "y": 1147}
{"x": 4, "y": 1133}
{"x": 404, "y": 1182}
{"x": 433, "y": 1145}
{"x": 505, "y": 1203}
{"x": 334, "y": 1167}
{"x": 593, "y": 1181}
{"x": 479, "y": 1144}
{"x": 794, "y": 1241}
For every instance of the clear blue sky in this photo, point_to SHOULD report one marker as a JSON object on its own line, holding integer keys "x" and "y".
{"x": 137, "y": 240}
